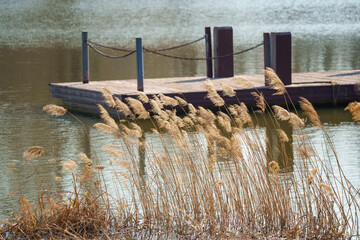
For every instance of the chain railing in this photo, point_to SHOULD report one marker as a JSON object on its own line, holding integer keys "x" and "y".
{"x": 99, "y": 49}
{"x": 203, "y": 58}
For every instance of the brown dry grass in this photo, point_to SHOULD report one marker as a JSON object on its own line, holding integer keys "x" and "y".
{"x": 223, "y": 182}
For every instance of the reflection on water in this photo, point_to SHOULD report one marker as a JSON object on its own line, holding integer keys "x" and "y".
{"x": 40, "y": 44}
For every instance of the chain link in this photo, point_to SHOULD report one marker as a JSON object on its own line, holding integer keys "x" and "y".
{"x": 203, "y": 58}
{"x": 179, "y": 46}
{"x": 107, "y": 55}
{"x": 108, "y": 47}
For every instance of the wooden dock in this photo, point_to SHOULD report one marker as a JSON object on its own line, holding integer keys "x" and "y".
{"x": 325, "y": 88}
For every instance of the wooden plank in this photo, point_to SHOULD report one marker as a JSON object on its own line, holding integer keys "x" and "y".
{"x": 335, "y": 87}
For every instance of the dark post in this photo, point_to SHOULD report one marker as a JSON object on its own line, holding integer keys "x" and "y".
{"x": 139, "y": 65}
{"x": 223, "y": 46}
{"x": 209, "y": 68}
{"x": 280, "y": 51}
{"x": 267, "y": 56}
{"x": 85, "y": 57}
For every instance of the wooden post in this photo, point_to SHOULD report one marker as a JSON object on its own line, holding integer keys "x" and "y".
{"x": 139, "y": 65}
{"x": 209, "y": 68}
{"x": 223, "y": 46}
{"x": 267, "y": 55}
{"x": 85, "y": 57}
{"x": 280, "y": 55}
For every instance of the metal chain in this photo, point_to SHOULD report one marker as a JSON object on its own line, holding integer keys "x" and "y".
{"x": 109, "y": 56}
{"x": 204, "y": 58}
{"x": 108, "y": 47}
{"x": 179, "y": 46}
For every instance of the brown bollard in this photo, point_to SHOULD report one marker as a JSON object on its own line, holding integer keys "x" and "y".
{"x": 223, "y": 52}
{"x": 208, "y": 50}
{"x": 280, "y": 55}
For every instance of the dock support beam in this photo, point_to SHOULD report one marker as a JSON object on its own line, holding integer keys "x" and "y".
{"x": 223, "y": 46}
{"x": 208, "y": 49}
{"x": 85, "y": 57}
{"x": 277, "y": 54}
{"x": 139, "y": 65}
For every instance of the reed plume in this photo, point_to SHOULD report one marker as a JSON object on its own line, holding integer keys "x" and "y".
{"x": 54, "y": 110}
{"x": 33, "y": 152}
{"x": 181, "y": 101}
{"x": 85, "y": 159}
{"x": 310, "y": 112}
{"x": 138, "y": 108}
{"x": 354, "y": 108}
{"x": 212, "y": 94}
{"x": 142, "y": 97}
{"x": 108, "y": 95}
{"x": 122, "y": 107}
{"x": 260, "y": 101}
{"x": 243, "y": 82}
{"x": 227, "y": 90}
{"x": 169, "y": 101}
{"x": 69, "y": 165}
{"x": 282, "y": 135}
{"x": 274, "y": 81}
{"x": 107, "y": 119}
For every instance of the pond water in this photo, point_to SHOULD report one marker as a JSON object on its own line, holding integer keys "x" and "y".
{"x": 40, "y": 44}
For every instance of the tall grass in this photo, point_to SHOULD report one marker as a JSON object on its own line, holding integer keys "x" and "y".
{"x": 231, "y": 180}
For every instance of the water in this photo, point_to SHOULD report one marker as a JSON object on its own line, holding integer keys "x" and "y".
{"x": 40, "y": 44}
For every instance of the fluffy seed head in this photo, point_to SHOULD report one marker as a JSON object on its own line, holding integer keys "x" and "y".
{"x": 260, "y": 101}
{"x": 69, "y": 165}
{"x": 143, "y": 97}
{"x": 54, "y": 110}
{"x": 84, "y": 158}
{"x": 310, "y": 112}
{"x": 354, "y": 108}
{"x": 274, "y": 81}
{"x": 138, "y": 108}
{"x": 33, "y": 152}
{"x": 227, "y": 90}
{"x": 122, "y": 107}
{"x": 108, "y": 95}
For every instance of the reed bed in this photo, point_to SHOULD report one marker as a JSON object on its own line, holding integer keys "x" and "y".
{"x": 230, "y": 180}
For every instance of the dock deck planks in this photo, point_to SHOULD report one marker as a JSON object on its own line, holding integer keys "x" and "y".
{"x": 332, "y": 87}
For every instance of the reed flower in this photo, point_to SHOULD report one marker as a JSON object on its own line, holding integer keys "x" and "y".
{"x": 260, "y": 101}
{"x": 142, "y": 97}
{"x": 113, "y": 150}
{"x": 243, "y": 82}
{"x": 107, "y": 119}
{"x": 122, "y": 107}
{"x": 213, "y": 95}
{"x": 282, "y": 135}
{"x": 274, "y": 167}
{"x": 274, "y": 81}
{"x": 33, "y": 152}
{"x": 166, "y": 100}
{"x": 138, "y": 108}
{"x": 227, "y": 90}
{"x": 281, "y": 113}
{"x": 54, "y": 110}
{"x": 108, "y": 95}
{"x": 85, "y": 159}
{"x": 354, "y": 108}
{"x": 326, "y": 189}
{"x": 69, "y": 165}
{"x": 181, "y": 101}
{"x": 310, "y": 112}
{"x": 97, "y": 167}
